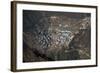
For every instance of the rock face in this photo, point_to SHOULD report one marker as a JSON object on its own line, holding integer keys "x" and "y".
{"x": 55, "y": 36}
